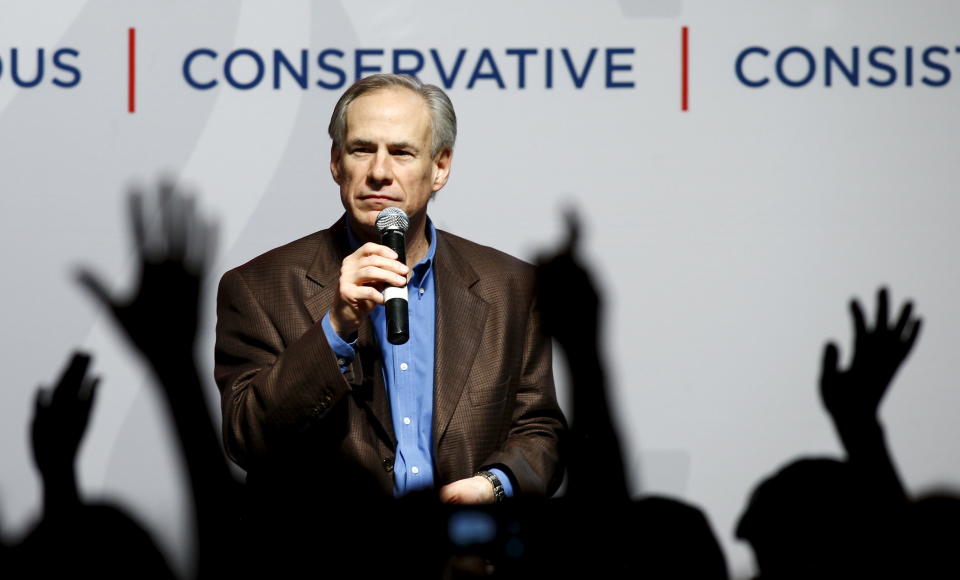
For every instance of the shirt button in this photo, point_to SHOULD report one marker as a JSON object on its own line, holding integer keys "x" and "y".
{"x": 388, "y": 464}
{"x": 406, "y": 420}
{"x": 415, "y": 469}
{"x": 422, "y": 290}
{"x": 404, "y": 366}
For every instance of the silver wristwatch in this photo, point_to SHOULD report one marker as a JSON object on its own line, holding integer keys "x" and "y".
{"x": 498, "y": 493}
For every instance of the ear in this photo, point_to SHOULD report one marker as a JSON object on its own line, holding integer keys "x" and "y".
{"x": 441, "y": 169}
{"x": 335, "y": 169}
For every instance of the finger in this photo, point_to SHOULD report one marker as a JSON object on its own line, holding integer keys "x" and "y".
{"x": 380, "y": 262}
{"x": 201, "y": 240}
{"x": 859, "y": 324}
{"x": 573, "y": 229}
{"x": 96, "y": 288}
{"x": 199, "y": 252}
{"x": 211, "y": 238}
{"x": 88, "y": 391}
{"x": 364, "y": 294}
{"x": 882, "y": 309}
{"x": 177, "y": 217}
{"x": 138, "y": 229}
{"x": 155, "y": 223}
{"x": 41, "y": 400}
{"x": 373, "y": 274}
{"x": 371, "y": 248}
{"x": 828, "y": 366}
{"x": 71, "y": 381}
{"x": 166, "y": 189}
{"x": 903, "y": 319}
{"x": 448, "y": 494}
{"x": 913, "y": 332}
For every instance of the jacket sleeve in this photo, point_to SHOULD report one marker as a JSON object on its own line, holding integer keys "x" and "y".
{"x": 270, "y": 388}
{"x": 531, "y": 450}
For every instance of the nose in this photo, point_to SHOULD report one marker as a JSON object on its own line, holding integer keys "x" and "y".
{"x": 380, "y": 173}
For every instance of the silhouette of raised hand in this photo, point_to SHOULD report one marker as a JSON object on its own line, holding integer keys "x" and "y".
{"x": 569, "y": 302}
{"x": 855, "y": 393}
{"x": 174, "y": 246}
{"x": 852, "y": 396}
{"x": 60, "y": 419}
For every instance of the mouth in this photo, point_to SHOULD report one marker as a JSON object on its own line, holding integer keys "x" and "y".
{"x": 378, "y": 201}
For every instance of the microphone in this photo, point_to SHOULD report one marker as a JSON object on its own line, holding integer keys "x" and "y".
{"x": 392, "y": 224}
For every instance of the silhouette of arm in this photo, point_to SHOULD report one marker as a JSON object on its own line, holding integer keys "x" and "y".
{"x": 160, "y": 318}
{"x": 852, "y": 396}
{"x": 570, "y": 310}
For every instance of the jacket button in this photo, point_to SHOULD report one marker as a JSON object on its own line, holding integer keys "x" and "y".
{"x": 388, "y": 464}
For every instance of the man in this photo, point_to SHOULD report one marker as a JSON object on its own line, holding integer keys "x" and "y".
{"x": 309, "y": 382}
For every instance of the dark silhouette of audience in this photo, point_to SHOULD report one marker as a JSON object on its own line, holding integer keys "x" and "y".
{"x": 931, "y": 536}
{"x": 815, "y": 517}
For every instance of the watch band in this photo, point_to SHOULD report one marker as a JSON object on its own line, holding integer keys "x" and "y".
{"x": 498, "y": 493}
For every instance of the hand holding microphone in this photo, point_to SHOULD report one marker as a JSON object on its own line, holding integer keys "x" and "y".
{"x": 375, "y": 274}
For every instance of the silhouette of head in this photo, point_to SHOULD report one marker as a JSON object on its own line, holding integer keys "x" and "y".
{"x": 813, "y": 518}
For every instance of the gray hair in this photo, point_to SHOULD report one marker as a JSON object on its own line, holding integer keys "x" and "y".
{"x": 443, "y": 120}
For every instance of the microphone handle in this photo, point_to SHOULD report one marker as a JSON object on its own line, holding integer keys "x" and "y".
{"x": 396, "y": 240}
{"x": 398, "y": 319}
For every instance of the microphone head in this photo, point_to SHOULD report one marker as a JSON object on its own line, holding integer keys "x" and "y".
{"x": 392, "y": 218}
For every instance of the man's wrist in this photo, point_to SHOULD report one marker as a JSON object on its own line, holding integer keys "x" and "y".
{"x": 343, "y": 350}
{"x": 344, "y": 330}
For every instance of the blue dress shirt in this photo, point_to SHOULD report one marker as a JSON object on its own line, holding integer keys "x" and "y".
{"x": 408, "y": 374}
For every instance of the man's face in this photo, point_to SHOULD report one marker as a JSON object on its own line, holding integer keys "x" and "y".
{"x": 385, "y": 157}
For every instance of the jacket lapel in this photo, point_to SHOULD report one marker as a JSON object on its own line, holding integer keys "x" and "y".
{"x": 459, "y": 327}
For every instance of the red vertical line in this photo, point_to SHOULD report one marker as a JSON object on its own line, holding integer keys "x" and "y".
{"x": 685, "y": 70}
{"x": 132, "y": 70}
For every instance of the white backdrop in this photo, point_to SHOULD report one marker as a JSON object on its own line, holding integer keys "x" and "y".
{"x": 729, "y": 237}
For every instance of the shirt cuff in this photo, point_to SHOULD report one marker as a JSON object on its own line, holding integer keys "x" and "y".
{"x": 504, "y": 481}
{"x": 344, "y": 351}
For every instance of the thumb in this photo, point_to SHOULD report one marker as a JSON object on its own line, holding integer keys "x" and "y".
{"x": 572, "y": 219}
{"x": 95, "y": 287}
{"x": 831, "y": 356}
{"x": 89, "y": 389}
{"x": 41, "y": 401}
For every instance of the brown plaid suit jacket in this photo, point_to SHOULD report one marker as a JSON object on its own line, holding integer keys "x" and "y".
{"x": 285, "y": 401}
